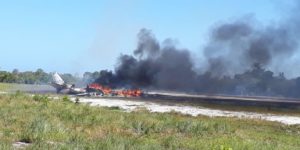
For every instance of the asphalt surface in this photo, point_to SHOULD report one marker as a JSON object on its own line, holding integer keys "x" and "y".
{"x": 226, "y": 99}
{"x": 31, "y": 88}
{"x": 190, "y": 98}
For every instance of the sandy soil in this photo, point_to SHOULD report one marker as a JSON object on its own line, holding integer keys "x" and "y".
{"x": 129, "y": 106}
{"x": 1, "y": 92}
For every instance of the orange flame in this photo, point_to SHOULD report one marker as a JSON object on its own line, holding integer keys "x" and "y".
{"x": 129, "y": 93}
{"x": 109, "y": 91}
{"x": 105, "y": 90}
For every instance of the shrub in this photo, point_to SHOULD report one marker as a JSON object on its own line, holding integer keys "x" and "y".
{"x": 66, "y": 99}
{"x": 42, "y": 98}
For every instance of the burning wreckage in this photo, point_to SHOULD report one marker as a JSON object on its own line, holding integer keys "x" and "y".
{"x": 93, "y": 89}
{"x": 97, "y": 90}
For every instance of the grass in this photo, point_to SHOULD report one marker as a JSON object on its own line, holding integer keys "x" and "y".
{"x": 60, "y": 124}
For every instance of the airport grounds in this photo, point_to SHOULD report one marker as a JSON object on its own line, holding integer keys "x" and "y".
{"x": 50, "y": 121}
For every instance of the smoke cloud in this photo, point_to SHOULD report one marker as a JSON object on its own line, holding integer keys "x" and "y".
{"x": 236, "y": 54}
{"x": 235, "y": 46}
{"x": 154, "y": 65}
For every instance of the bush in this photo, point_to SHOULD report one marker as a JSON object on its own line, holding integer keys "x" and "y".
{"x": 42, "y": 98}
{"x": 66, "y": 99}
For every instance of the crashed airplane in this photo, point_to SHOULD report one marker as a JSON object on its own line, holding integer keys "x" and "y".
{"x": 61, "y": 87}
{"x": 93, "y": 89}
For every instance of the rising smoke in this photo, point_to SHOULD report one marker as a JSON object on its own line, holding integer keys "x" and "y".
{"x": 235, "y": 45}
{"x": 236, "y": 54}
{"x": 154, "y": 65}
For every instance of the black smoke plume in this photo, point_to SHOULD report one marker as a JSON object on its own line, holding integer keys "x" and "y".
{"x": 155, "y": 66}
{"x": 237, "y": 54}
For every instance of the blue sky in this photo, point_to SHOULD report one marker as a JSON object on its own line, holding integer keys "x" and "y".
{"x": 77, "y": 36}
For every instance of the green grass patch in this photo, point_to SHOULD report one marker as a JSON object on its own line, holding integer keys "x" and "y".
{"x": 59, "y": 124}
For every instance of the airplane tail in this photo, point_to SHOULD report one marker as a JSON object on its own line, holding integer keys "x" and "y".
{"x": 57, "y": 79}
{"x": 58, "y": 82}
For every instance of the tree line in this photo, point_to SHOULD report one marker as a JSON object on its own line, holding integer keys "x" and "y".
{"x": 33, "y": 77}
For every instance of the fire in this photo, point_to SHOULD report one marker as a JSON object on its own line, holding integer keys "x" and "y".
{"x": 105, "y": 90}
{"x": 129, "y": 93}
{"x": 109, "y": 91}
